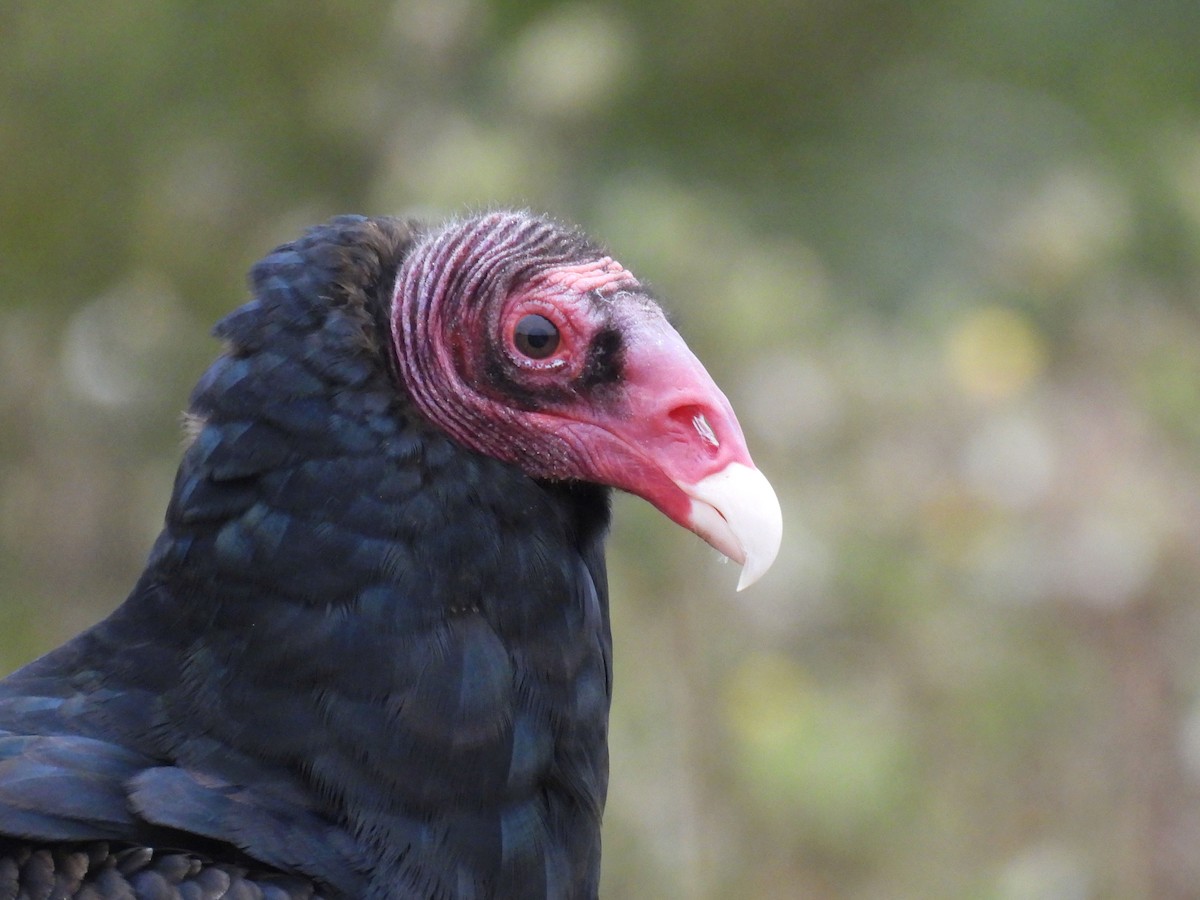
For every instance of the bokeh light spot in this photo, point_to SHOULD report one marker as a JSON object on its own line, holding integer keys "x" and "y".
{"x": 995, "y": 353}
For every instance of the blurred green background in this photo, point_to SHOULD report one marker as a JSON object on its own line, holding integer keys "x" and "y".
{"x": 944, "y": 257}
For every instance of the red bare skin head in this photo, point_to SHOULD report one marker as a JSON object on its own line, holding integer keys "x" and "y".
{"x": 525, "y": 342}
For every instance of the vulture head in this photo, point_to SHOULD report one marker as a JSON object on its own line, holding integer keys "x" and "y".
{"x": 525, "y": 341}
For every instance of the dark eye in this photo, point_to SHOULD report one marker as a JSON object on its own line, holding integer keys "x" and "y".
{"x": 536, "y": 337}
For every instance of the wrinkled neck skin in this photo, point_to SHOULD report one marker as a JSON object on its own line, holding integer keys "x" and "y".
{"x": 453, "y": 284}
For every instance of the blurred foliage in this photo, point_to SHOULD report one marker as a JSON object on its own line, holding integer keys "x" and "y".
{"x": 944, "y": 257}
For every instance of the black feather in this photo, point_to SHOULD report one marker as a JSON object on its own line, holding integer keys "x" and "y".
{"x": 362, "y": 660}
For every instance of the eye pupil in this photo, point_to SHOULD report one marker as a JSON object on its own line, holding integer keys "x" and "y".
{"x": 536, "y": 336}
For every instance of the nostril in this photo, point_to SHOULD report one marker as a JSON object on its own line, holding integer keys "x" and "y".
{"x": 704, "y": 429}
{"x": 692, "y": 416}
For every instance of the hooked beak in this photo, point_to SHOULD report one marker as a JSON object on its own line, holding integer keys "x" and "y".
{"x": 678, "y": 444}
{"x": 736, "y": 511}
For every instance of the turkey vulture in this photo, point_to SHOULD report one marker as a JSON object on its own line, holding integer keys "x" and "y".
{"x": 370, "y": 655}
